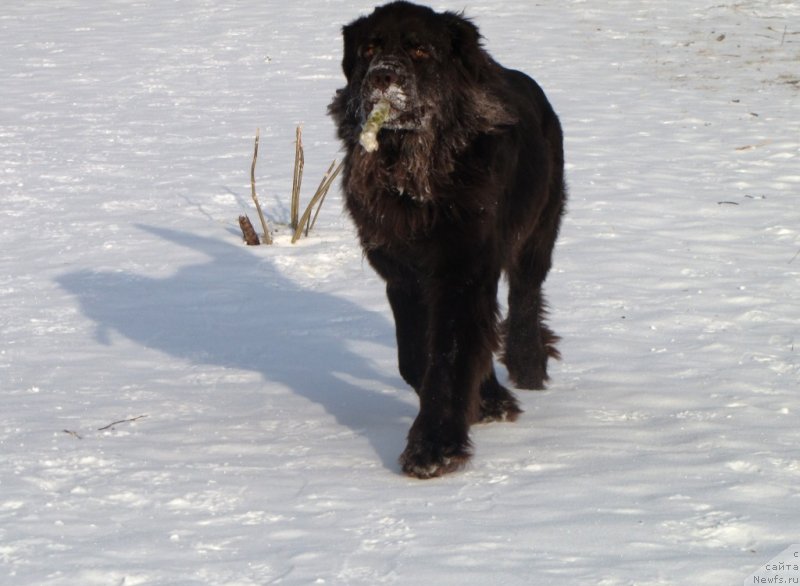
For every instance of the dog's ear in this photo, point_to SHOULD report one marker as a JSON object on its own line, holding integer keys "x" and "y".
{"x": 351, "y": 34}
{"x": 466, "y": 43}
{"x": 488, "y": 111}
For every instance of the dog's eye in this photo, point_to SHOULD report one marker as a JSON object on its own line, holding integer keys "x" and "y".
{"x": 420, "y": 53}
{"x": 368, "y": 52}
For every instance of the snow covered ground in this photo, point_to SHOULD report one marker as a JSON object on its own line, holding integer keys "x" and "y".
{"x": 667, "y": 451}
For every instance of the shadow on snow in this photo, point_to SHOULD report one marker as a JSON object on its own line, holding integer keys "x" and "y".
{"x": 237, "y": 311}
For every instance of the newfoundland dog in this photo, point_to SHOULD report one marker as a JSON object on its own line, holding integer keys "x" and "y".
{"x": 453, "y": 175}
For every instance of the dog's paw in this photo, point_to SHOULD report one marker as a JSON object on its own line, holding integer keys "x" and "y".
{"x": 424, "y": 458}
{"x": 497, "y": 403}
{"x": 499, "y": 409}
{"x": 526, "y": 357}
{"x": 528, "y": 377}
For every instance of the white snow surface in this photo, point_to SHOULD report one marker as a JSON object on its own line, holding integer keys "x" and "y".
{"x": 667, "y": 448}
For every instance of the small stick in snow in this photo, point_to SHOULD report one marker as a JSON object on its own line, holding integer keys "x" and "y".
{"x": 111, "y": 425}
{"x": 249, "y": 233}
{"x": 74, "y": 434}
{"x": 376, "y": 119}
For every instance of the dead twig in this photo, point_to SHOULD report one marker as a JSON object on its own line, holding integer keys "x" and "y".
{"x": 111, "y": 425}
{"x": 74, "y": 434}
{"x": 749, "y": 147}
{"x": 267, "y": 235}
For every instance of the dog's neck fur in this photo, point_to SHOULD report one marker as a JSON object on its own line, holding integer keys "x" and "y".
{"x": 418, "y": 162}
{"x": 407, "y": 162}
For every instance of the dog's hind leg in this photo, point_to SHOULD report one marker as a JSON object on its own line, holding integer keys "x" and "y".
{"x": 527, "y": 339}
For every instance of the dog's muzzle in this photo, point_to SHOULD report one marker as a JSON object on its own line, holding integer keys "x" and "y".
{"x": 387, "y": 80}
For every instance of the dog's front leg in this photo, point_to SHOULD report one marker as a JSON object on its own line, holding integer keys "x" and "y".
{"x": 462, "y": 336}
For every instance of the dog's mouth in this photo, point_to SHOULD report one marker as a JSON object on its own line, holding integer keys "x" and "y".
{"x": 389, "y": 81}
{"x": 401, "y": 115}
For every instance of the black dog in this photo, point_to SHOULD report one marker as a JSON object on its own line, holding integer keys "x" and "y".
{"x": 467, "y": 182}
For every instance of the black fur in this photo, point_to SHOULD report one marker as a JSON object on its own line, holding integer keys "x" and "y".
{"x": 467, "y": 184}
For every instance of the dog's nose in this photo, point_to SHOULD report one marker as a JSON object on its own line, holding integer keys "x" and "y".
{"x": 382, "y": 78}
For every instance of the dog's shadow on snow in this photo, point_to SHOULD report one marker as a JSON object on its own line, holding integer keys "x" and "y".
{"x": 255, "y": 319}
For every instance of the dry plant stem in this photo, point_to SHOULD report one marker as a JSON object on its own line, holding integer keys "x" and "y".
{"x": 267, "y": 235}
{"x": 318, "y": 197}
{"x": 325, "y": 193}
{"x": 309, "y": 223}
{"x": 299, "y": 162}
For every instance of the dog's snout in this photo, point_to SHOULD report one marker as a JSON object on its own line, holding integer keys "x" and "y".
{"x": 382, "y": 78}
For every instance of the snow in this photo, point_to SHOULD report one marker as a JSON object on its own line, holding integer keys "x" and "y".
{"x": 664, "y": 453}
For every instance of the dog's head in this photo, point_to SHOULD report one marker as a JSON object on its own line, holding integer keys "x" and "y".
{"x": 442, "y": 89}
{"x": 427, "y": 65}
